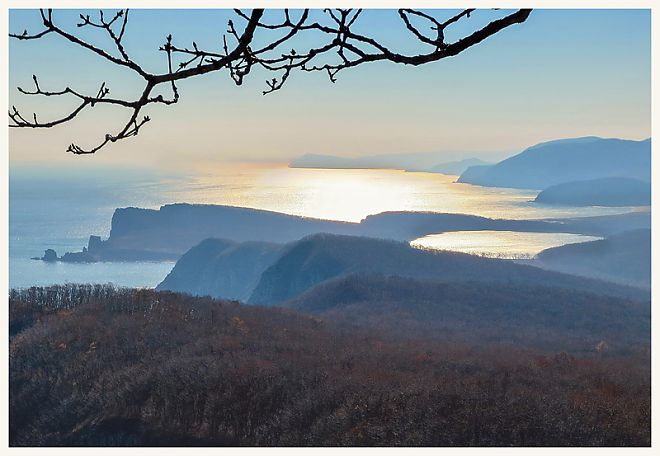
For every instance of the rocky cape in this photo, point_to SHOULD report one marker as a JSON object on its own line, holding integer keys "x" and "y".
{"x": 165, "y": 234}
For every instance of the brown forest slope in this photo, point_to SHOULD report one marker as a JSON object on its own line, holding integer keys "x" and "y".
{"x": 101, "y": 366}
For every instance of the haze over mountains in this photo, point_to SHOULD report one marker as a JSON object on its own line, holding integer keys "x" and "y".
{"x": 221, "y": 268}
{"x": 167, "y": 233}
{"x": 581, "y": 163}
{"x": 587, "y": 171}
{"x": 583, "y": 171}
{"x": 279, "y": 274}
{"x": 537, "y": 167}
{"x": 567, "y": 160}
{"x": 457, "y": 167}
{"x": 435, "y": 162}
{"x": 345, "y": 332}
{"x": 265, "y": 257}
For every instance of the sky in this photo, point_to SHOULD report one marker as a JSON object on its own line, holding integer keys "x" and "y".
{"x": 562, "y": 73}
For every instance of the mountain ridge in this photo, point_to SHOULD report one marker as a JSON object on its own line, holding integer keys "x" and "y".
{"x": 559, "y": 161}
{"x": 322, "y": 257}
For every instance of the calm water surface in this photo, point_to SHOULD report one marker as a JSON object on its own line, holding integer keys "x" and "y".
{"x": 60, "y": 208}
{"x": 351, "y": 195}
{"x": 499, "y": 244}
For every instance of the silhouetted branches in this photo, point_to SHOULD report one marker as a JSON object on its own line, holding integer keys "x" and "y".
{"x": 341, "y": 47}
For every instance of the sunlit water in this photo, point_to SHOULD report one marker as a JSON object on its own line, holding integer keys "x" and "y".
{"x": 352, "y": 194}
{"x": 498, "y": 244}
{"x": 60, "y": 209}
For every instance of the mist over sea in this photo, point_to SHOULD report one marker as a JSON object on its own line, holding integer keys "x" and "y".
{"x": 59, "y": 208}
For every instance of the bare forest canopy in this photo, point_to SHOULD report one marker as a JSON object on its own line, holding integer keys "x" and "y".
{"x": 100, "y": 366}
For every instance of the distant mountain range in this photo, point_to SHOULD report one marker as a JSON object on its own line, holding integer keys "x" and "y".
{"x": 427, "y": 161}
{"x": 567, "y": 160}
{"x": 580, "y": 162}
{"x": 457, "y": 167}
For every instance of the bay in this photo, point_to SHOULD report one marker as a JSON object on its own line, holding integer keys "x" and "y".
{"x": 60, "y": 207}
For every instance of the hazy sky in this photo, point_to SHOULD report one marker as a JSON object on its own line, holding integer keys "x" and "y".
{"x": 563, "y": 73}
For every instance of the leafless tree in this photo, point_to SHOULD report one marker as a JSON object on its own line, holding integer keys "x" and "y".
{"x": 343, "y": 47}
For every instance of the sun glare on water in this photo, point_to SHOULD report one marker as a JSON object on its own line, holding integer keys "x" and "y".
{"x": 498, "y": 244}
{"x": 352, "y": 194}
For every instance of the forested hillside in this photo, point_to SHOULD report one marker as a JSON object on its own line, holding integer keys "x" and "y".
{"x": 94, "y": 365}
{"x": 521, "y": 315}
{"x": 321, "y": 257}
{"x": 623, "y": 258}
{"x": 221, "y": 268}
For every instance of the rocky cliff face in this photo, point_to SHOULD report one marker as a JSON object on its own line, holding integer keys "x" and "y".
{"x": 167, "y": 233}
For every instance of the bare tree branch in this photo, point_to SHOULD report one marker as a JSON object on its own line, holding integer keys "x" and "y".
{"x": 237, "y": 54}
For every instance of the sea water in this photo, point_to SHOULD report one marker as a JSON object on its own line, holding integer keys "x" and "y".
{"x": 59, "y": 208}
